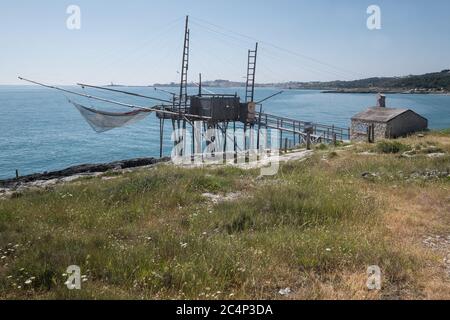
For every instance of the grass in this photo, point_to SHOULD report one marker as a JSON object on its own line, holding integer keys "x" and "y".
{"x": 314, "y": 227}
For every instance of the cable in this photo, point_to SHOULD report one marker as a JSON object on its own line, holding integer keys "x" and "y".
{"x": 161, "y": 35}
{"x": 310, "y": 69}
{"x": 280, "y": 48}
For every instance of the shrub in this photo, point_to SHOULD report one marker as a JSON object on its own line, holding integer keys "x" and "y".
{"x": 391, "y": 147}
{"x": 322, "y": 146}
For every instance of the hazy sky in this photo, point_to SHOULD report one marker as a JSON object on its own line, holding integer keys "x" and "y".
{"x": 139, "y": 42}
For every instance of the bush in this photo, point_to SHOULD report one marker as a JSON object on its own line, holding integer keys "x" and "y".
{"x": 321, "y": 146}
{"x": 391, "y": 147}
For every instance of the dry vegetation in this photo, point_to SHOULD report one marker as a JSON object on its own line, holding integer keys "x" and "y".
{"x": 315, "y": 228}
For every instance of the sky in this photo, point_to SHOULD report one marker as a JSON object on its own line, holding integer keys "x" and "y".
{"x": 139, "y": 42}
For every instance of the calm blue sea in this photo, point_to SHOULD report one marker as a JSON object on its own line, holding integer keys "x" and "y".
{"x": 41, "y": 131}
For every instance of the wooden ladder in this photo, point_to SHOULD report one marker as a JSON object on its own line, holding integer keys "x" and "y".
{"x": 251, "y": 72}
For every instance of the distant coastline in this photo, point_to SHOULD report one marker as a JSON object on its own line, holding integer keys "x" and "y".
{"x": 386, "y": 91}
{"x": 430, "y": 83}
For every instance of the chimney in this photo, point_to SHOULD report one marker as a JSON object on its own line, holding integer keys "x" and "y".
{"x": 381, "y": 101}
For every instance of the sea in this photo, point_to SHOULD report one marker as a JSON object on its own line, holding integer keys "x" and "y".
{"x": 41, "y": 131}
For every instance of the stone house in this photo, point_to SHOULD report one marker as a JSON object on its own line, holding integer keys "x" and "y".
{"x": 380, "y": 122}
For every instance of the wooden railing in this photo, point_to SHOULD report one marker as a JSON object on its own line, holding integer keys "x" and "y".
{"x": 297, "y": 128}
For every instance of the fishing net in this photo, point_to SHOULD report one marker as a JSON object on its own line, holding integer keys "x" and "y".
{"x": 102, "y": 121}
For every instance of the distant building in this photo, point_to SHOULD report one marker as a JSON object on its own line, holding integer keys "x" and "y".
{"x": 380, "y": 122}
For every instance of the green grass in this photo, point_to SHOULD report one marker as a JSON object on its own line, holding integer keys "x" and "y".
{"x": 152, "y": 234}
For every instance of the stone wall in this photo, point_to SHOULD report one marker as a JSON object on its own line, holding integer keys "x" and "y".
{"x": 359, "y": 130}
{"x": 406, "y": 123}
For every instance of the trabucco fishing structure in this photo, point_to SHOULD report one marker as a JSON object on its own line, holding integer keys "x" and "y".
{"x": 209, "y": 120}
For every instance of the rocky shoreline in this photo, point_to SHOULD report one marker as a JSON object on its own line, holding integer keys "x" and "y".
{"x": 80, "y": 170}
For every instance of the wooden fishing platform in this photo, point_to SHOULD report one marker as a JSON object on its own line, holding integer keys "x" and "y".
{"x": 212, "y": 118}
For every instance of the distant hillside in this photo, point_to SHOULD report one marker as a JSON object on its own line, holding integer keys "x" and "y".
{"x": 437, "y": 82}
{"x": 430, "y": 82}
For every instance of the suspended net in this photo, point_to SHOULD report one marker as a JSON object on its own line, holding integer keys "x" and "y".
{"x": 102, "y": 121}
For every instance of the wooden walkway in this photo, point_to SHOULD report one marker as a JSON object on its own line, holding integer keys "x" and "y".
{"x": 294, "y": 130}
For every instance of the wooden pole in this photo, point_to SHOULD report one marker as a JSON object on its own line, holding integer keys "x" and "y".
{"x": 225, "y": 143}
{"x": 281, "y": 134}
{"x": 161, "y": 136}
{"x": 235, "y": 142}
{"x": 259, "y": 128}
{"x": 308, "y": 141}
{"x": 193, "y": 142}
{"x": 184, "y": 137}
{"x": 245, "y": 141}
{"x": 293, "y": 125}
{"x": 174, "y": 133}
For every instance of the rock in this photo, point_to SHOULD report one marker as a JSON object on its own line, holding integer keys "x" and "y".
{"x": 81, "y": 169}
{"x": 285, "y": 292}
{"x": 436, "y": 155}
{"x": 369, "y": 175}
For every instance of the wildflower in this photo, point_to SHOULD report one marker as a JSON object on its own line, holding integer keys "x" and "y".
{"x": 3, "y": 257}
{"x": 28, "y": 281}
{"x": 183, "y": 245}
